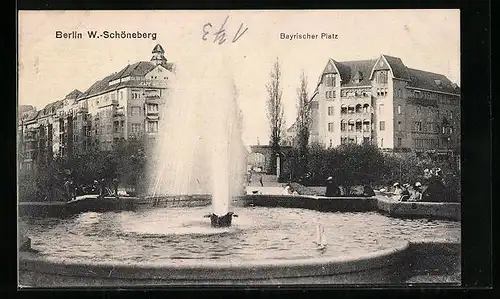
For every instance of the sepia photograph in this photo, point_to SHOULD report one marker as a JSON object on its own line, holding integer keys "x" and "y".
{"x": 238, "y": 147}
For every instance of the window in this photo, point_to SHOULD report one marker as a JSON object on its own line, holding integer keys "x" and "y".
{"x": 352, "y": 140}
{"x": 365, "y": 108}
{"x": 331, "y": 143}
{"x": 358, "y": 108}
{"x": 333, "y": 94}
{"x": 350, "y": 109}
{"x": 343, "y": 125}
{"x": 330, "y": 127}
{"x": 343, "y": 109}
{"x": 381, "y": 77}
{"x": 343, "y": 140}
{"x": 331, "y": 110}
{"x": 380, "y": 108}
{"x": 382, "y": 125}
{"x": 399, "y": 110}
{"x": 330, "y": 80}
{"x": 351, "y": 125}
{"x": 418, "y": 126}
{"x": 135, "y": 111}
{"x": 152, "y": 107}
{"x": 152, "y": 126}
{"x": 381, "y": 142}
{"x": 358, "y": 125}
{"x": 366, "y": 140}
{"x": 366, "y": 125}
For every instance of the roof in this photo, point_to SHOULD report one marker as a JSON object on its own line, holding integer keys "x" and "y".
{"x": 350, "y": 70}
{"x": 137, "y": 69}
{"x": 73, "y": 95}
{"x": 361, "y": 69}
{"x": 431, "y": 81}
{"x": 399, "y": 70}
{"x": 158, "y": 49}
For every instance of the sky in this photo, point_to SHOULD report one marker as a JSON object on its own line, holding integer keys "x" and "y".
{"x": 50, "y": 67}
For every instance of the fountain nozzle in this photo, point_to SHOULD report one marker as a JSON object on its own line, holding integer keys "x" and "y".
{"x": 221, "y": 221}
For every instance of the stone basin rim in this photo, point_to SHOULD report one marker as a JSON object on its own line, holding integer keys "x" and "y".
{"x": 204, "y": 270}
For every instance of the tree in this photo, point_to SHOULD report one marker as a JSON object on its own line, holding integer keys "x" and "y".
{"x": 302, "y": 124}
{"x": 275, "y": 111}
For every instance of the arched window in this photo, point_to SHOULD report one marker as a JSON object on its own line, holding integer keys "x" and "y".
{"x": 350, "y": 109}
{"x": 359, "y": 124}
{"x": 366, "y": 125}
{"x": 351, "y": 125}
{"x": 358, "y": 108}
{"x": 343, "y": 124}
{"x": 343, "y": 109}
{"x": 366, "y": 108}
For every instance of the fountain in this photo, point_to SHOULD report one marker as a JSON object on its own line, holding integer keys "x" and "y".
{"x": 199, "y": 145}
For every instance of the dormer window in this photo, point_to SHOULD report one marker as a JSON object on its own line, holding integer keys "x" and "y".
{"x": 438, "y": 82}
{"x": 358, "y": 77}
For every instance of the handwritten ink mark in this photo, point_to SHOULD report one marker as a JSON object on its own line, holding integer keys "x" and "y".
{"x": 220, "y": 35}
{"x": 236, "y": 36}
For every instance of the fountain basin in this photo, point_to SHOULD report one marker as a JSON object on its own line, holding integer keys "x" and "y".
{"x": 157, "y": 246}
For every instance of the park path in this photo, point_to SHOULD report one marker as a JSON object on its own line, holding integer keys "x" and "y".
{"x": 270, "y": 182}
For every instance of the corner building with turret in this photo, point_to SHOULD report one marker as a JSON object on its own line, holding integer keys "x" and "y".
{"x": 384, "y": 102}
{"x": 121, "y": 106}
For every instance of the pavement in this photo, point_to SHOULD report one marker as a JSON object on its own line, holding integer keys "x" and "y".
{"x": 270, "y": 182}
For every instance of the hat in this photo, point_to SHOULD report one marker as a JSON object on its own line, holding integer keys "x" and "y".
{"x": 329, "y": 178}
{"x": 417, "y": 184}
{"x": 395, "y": 184}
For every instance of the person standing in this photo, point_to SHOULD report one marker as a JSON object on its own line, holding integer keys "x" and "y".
{"x": 332, "y": 189}
{"x": 115, "y": 186}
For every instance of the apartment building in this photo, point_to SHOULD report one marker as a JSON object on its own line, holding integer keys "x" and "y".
{"x": 121, "y": 106}
{"x": 384, "y": 102}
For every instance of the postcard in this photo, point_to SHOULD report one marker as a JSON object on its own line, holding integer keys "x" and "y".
{"x": 245, "y": 147}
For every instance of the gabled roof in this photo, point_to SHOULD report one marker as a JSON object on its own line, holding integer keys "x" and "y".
{"x": 363, "y": 69}
{"x": 137, "y": 69}
{"x": 431, "y": 81}
{"x": 399, "y": 70}
{"x": 74, "y": 94}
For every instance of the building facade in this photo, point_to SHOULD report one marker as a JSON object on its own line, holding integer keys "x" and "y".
{"x": 384, "y": 102}
{"x": 124, "y": 105}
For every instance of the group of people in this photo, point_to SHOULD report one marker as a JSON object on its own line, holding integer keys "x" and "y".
{"x": 332, "y": 189}
{"x": 407, "y": 192}
{"x": 97, "y": 187}
{"x": 433, "y": 188}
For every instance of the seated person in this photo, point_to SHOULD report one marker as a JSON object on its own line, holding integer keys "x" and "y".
{"x": 397, "y": 191}
{"x": 417, "y": 192}
{"x": 405, "y": 193}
